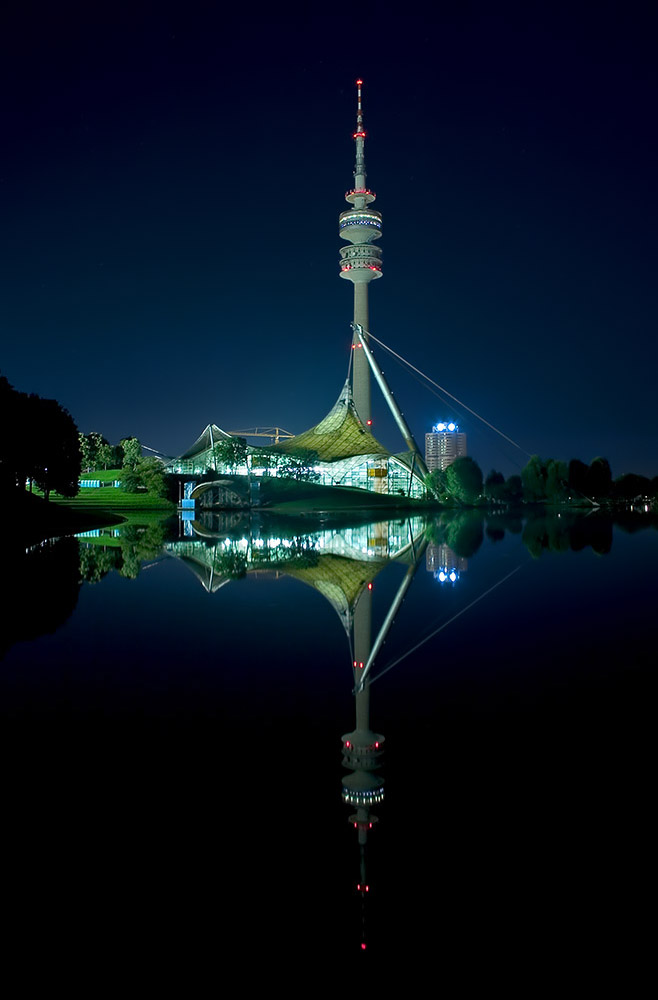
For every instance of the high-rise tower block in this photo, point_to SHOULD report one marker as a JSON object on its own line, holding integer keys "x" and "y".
{"x": 360, "y": 261}
{"x": 443, "y": 445}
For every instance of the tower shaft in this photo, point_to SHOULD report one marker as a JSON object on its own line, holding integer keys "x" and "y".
{"x": 360, "y": 366}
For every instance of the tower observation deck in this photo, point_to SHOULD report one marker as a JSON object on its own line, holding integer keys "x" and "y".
{"x": 360, "y": 261}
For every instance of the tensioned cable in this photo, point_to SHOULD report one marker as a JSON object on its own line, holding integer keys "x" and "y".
{"x": 403, "y": 365}
{"x": 441, "y": 627}
{"x": 440, "y": 387}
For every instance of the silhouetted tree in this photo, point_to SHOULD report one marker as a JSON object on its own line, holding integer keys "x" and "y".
{"x": 630, "y": 486}
{"x": 577, "y": 475}
{"x": 56, "y": 458}
{"x": 514, "y": 489}
{"x": 494, "y": 486}
{"x": 533, "y": 477}
{"x": 598, "y": 481}
{"x": 557, "y": 484}
{"x": 11, "y": 408}
{"x": 39, "y": 443}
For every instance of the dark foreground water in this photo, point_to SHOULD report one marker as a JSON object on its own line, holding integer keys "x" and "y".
{"x": 173, "y": 779}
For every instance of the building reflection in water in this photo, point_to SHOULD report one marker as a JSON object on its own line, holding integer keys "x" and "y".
{"x": 445, "y": 564}
{"x": 341, "y": 563}
{"x": 337, "y": 561}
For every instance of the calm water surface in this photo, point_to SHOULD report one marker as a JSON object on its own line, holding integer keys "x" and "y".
{"x": 177, "y": 791}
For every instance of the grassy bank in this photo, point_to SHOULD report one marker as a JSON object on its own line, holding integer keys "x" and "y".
{"x": 291, "y": 497}
{"x": 114, "y": 500}
{"x": 110, "y": 498}
{"x": 38, "y": 518}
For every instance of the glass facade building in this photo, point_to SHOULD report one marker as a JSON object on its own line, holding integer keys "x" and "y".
{"x": 339, "y": 451}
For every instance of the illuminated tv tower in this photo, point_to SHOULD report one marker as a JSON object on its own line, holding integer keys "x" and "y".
{"x": 360, "y": 261}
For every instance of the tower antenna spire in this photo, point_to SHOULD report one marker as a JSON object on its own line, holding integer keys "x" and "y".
{"x": 359, "y": 138}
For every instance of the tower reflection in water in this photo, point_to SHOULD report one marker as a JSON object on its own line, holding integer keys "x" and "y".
{"x": 341, "y": 563}
{"x": 363, "y": 748}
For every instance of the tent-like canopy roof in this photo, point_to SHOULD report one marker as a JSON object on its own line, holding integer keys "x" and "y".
{"x": 340, "y": 435}
{"x": 206, "y": 440}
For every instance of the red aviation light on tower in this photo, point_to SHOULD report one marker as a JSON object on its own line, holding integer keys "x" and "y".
{"x": 359, "y": 112}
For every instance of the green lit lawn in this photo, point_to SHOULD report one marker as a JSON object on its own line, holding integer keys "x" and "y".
{"x": 105, "y": 475}
{"x": 109, "y": 497}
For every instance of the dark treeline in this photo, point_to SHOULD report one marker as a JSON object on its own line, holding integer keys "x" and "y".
{"x": 39, "y": 444}
{"x": 540, "y": 481}
{"x": 554, "y": 481}
{"x": 540, "y": 530}
{"x": 41, "y": 448}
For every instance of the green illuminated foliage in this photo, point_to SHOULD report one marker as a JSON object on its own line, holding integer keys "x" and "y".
{"x": 231, "y": 454}
{"x": 464, "y": 479}
{"x": 299, "y": 466}
{"x": 96, "y": 452}
{"x": 132, "y": 452}
{"x": 152, "y": 475}
{"x": 545, "y": 480}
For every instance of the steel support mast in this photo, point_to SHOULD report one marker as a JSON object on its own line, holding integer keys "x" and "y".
{"x": 419, "y": 461}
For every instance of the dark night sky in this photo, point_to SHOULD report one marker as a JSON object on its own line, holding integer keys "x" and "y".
{"x": 171, "y": 183}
